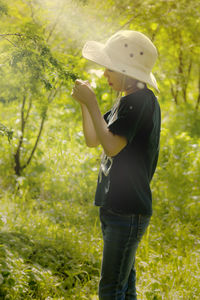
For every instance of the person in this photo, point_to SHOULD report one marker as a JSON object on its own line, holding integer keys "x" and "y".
{"x": 129, "y": 134}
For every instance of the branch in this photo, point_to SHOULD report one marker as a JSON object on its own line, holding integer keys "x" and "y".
{"x": 56, "y": 22}
{"x": 174, "y": 94}
{"x": 128, "y": 22}
{"x": 4, "y": 36}
{"x": 155, "y": 32}
{"x": 186, "y": 80}
{"x": 53, "y": 94}
{"x": 22, "y": 126}
{"x": 36, "y": 142}
{"x": 30, "y": 4}
{"x": 22, "y": 114}
{"x": 28, "y": 111}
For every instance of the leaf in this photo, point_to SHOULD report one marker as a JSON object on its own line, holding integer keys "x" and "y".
{"x": 1, "y": 279}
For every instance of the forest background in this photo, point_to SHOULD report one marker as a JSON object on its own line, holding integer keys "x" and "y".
{"x": 50, "y": 238}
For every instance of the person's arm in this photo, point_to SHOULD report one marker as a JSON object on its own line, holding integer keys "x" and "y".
{"x": 112, "y": 144}
{"x": 89, "y": 131}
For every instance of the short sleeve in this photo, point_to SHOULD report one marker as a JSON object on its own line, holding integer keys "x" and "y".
{"x": 134, "y": 111}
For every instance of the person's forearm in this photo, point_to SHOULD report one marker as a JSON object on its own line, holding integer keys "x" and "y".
{"x": 94, "y": 126}
{"x": 88, "y": 128}
{"x": 112, "y": 144}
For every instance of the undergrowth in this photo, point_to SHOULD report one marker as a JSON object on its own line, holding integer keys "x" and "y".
{"x": 50, "y": 238}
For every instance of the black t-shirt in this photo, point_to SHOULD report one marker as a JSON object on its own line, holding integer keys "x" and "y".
{"x": 124, "y": 180}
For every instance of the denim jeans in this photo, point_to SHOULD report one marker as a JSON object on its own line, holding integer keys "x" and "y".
{"x": 121, "y": 235}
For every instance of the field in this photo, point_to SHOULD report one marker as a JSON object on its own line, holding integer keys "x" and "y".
{"x": 50, "y": 235}
{"x": 50, "y": 238}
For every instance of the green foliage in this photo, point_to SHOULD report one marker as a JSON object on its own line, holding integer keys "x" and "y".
{"x": 37, "y": 76}
{"x": 50, "y": 233}
{"x": 3, "y": 8}
{"x": 174, "y": 28}
{"x": 34, "y": 67}
{"x": 5, "y": 131}
{"x": 50, "y": 239}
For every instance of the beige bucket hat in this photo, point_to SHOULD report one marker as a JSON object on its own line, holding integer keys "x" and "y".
{"x": 127, "y": 52}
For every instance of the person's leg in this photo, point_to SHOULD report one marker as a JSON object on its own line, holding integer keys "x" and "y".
{"x": 131, "y": 289}
{"x": 143, "y": 222}
{"x": 120, "y": 234}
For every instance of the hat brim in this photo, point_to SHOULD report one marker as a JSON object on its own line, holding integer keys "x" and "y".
{"x": 95, "y": 52}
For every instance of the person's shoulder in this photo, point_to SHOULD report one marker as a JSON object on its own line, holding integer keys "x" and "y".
{"x": 142, "y": 97}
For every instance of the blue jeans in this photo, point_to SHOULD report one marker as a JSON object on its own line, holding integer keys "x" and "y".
{"x": 121, "y": 235}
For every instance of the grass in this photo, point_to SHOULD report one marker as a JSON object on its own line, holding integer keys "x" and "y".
{"x": 44, "y": 249}
{"x": 50, "y": 238}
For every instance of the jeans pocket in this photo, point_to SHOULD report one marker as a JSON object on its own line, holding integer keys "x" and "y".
{"x": 143, "y": 222}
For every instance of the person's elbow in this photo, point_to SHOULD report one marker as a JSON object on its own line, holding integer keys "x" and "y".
{"x": 113, "y": 149}
{"x": 92, "y": 144}
{"x": 112, "y": 152}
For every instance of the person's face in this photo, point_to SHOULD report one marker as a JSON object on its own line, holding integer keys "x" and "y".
{"x": 115, "y": 80}
{"x": 118, "y": 81}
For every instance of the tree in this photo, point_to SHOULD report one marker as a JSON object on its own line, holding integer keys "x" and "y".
{"x": 32, "y": 77}
{"x": 174, "y": 28}
{"x": 33, "y": 52}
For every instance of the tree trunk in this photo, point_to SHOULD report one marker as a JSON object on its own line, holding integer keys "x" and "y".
{"x": 36, "y": 142}
{"x": 198, "y": 99}
{"x": 18, "y": 151}
{"x": 174, "y": 93}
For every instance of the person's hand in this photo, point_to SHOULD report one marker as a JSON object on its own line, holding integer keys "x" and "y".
{"x": 83, "y": 92}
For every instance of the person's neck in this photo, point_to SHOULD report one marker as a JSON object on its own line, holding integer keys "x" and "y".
{"x": 133, "y": 89}
{"x": 130, "y": 91}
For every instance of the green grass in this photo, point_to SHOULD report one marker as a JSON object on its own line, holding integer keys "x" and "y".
{"x": 50, "y": 238}
{"x": 44, "y": 249}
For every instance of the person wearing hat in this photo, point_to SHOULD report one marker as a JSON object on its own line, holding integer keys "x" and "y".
{"x": 129, "y": 134}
